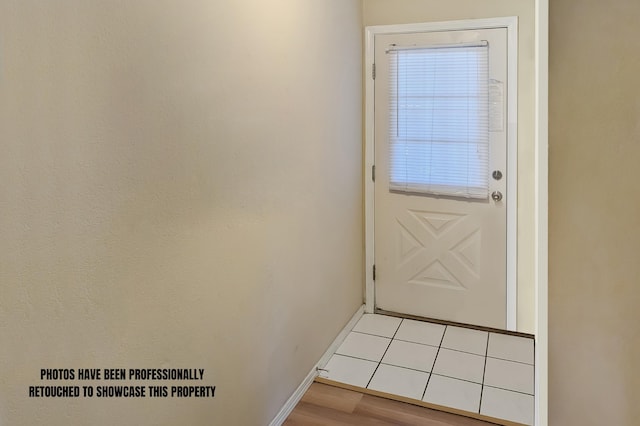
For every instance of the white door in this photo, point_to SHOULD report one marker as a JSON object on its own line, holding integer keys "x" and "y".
{"x": 440, "y": 175}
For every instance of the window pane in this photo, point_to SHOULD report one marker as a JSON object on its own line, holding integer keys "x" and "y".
{"x": 439, "y": 141}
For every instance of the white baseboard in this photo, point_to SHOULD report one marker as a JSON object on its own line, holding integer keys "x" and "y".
{"x": 340, "y": 337}
{"x": 293, "y": 400}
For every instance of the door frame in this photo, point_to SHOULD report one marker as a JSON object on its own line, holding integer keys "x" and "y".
{"x": 541, "y": 206}
{"x": 511, "y": 24}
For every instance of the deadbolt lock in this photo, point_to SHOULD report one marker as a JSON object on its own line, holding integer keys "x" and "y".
{"x": 497, "y": 174}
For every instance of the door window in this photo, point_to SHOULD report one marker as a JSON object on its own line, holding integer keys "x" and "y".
{"x": 439, "y": 120}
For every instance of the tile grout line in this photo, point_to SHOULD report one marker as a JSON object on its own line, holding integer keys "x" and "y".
{"x": 405, "y": 367}
{"x": 434, "y": 362}
{"x": 385, "y": 352}
{"x": 462, "y": 352}
{"x": 417, "y": 343}
{"x": 354, "y": 357}
{"x": 484, "y": 371}
{"x": 397, "y": 340}
{"x": 457, "y": 378}
{"x": 511, "y": 390}
{"x": 511, "y": 360}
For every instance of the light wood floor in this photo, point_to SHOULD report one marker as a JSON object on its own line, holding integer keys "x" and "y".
{"x": 325, "y": 405}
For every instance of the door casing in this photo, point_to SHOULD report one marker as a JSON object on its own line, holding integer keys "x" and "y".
{"x": 511, "y": 24}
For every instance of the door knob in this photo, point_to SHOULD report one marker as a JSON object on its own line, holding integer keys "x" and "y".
{"x": 496, "y": 195}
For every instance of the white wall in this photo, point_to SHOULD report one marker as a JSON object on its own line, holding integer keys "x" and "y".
{"x": 385, "y": 12}
{"x": 594, "y": 213}
{"x": 180, "y": 186}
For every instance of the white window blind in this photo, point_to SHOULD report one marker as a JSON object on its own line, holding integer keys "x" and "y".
{"x": 439, "y": 120}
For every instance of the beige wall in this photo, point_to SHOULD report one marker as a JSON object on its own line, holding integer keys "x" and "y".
{"x": 385, "y": 12}
{"x": 594, "y": 213}
{"x": 180, "y": 186}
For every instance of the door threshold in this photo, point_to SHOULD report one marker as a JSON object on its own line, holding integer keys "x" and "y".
{"x": 457, "y": 324}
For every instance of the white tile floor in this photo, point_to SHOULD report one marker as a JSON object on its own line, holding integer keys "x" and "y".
{"x": 478, "y": 371}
